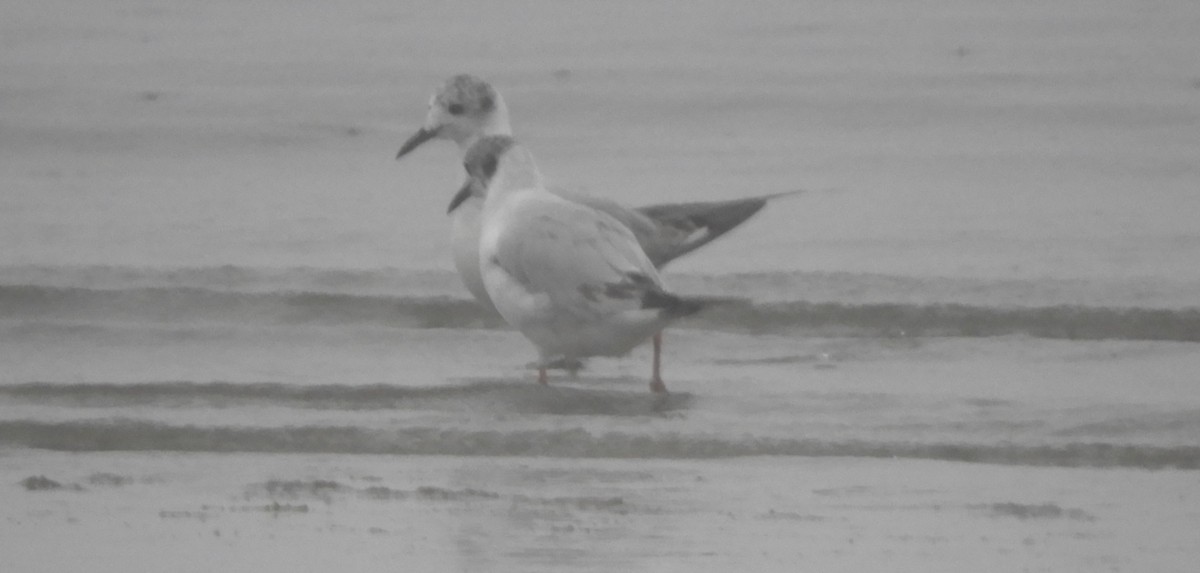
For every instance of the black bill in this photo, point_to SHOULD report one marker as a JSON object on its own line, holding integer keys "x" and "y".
{"x": 416, "y": 140}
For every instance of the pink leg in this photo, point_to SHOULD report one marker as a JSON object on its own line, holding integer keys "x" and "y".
{"x": 542, "y": 376}
{"x": 656, "y": 382}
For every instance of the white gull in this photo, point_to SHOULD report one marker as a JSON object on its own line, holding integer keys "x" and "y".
{"x": 467, "y": 108}
{"x": 573, "y": 279}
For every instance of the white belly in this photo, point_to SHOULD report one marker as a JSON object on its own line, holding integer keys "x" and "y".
{"x": 560, "y": 335}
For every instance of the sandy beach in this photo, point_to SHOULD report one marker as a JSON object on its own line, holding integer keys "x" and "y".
{"x": 300, "y": 512}
{"x": 231, "y": 337}
{"x": 932, "y": 455}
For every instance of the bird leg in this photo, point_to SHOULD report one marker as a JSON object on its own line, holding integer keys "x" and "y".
{"x": 656, "y": 382}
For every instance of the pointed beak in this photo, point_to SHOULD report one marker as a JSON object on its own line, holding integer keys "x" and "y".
{"x": 462, "y": 195}
{"x": 421, "y": 136}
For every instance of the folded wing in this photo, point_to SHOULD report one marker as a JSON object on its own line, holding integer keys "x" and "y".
{"x": 584, "y": 260}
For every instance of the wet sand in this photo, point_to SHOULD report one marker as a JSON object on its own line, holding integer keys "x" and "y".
{"x": 276, "y": 512}
{"x": 588, "y": 475}
{"x": 999, "y": 154}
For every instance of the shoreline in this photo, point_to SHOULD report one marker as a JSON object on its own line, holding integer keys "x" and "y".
{"x": 283, "y": 512}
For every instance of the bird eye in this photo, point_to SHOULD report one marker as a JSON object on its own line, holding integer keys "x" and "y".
{"x": 455, "y": 109}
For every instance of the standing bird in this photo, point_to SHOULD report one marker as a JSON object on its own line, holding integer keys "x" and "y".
{"x": 467, "y": 109}
{"x": 573, "y": 279}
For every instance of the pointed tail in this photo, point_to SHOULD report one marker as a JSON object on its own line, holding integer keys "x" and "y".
{"x": 689, "y": 226}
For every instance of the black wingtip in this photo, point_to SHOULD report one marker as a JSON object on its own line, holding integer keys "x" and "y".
{"x": 715, "y": 219}
{"x": 671, "y": 305}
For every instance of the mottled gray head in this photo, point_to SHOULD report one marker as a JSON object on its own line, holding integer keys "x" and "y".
{"x": 463, "y": 110}
{"x": 481, "y": 161}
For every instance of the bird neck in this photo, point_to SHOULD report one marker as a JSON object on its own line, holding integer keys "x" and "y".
{"x": 516, "y": 175}
{"x": 517, "y": 178}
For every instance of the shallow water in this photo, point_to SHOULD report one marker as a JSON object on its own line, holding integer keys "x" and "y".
{"x": 230, "y": 333}
{"x": 230, "y": 360}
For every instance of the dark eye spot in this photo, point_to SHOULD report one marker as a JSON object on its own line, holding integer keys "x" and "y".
{"x": 456, "y": 109}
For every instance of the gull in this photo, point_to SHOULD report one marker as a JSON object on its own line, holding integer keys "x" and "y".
{"x": 573, "y": 279}
{"x": 466, "y": 109}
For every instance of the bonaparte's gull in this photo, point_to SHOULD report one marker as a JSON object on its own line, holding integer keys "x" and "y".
{"x": 573, "y": 279}
{"x": 468, "y": 108}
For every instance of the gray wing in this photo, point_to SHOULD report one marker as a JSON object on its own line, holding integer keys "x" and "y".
{"x": 585, "y": 261}
{"x": 684, "y": 227}
{"x": 669, "y": 231}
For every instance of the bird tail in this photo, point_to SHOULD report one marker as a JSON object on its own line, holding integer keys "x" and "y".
{"x": 675, "y": 306}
